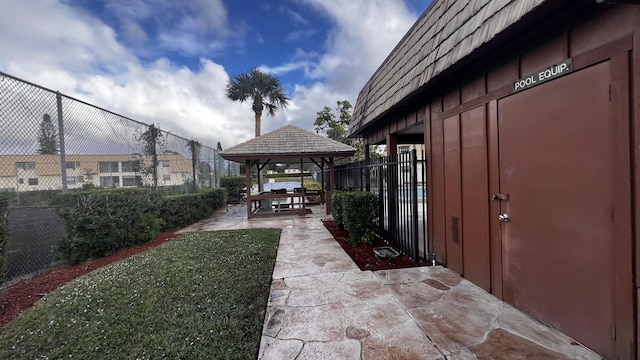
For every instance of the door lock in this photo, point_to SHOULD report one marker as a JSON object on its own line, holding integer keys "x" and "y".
{"x": 503, "y": 217}
{"x": 499, "y": 196}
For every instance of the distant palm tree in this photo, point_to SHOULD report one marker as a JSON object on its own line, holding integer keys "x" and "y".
{"x": 263, "y": 89}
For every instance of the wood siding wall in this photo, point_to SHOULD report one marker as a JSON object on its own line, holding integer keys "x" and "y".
{"x": 461, "y": 140}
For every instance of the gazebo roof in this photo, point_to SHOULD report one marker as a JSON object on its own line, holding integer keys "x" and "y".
{"x": 288, "y": 144}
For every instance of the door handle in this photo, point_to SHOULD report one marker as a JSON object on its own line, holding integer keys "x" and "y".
{"x": 503, "y": 217}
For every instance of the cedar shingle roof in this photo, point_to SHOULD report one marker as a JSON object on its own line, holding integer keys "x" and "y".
{"x": 444, "y": 34}
{"x": 288, "y": 142}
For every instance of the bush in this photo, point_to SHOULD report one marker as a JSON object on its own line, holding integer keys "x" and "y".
{"x": 4, "y": 236}
{"x": 336, "y": 209}
{"x": 31, "y": 198}
{"x": 360, "y": 216}
{"x": 100, "y": 222}
{"x": 181, "y": 210}
{"x": 233, "y": 184}
{"x": 313, "y": 185}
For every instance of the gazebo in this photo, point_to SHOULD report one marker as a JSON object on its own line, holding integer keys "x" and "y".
{"x": 288, "y": 144}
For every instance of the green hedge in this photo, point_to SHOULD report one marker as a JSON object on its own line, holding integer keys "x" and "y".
{"x": 181, "y": 210}
{"x": 336, "y": 208}
{"x": 100, "y": 222}
{"x": 360, "y": 216}
{"x": 31, "y": 198}
{"x": 4, "y": 236}
{"x": 233, "y": 184}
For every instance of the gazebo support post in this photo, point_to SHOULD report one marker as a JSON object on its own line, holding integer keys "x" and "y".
{"x": 322, "y": 195}
{"x": 303, "y": 198}
{"x": 331, "y": 186}
{"x": 247, "y": 169}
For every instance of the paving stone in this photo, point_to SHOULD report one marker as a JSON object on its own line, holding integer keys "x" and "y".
{"x": 402, "y": 341}
{"x": 416, "y": 294}
{"x": 271, "y": 348}
{"x": 503, "y": 345}
{"x": 336, "y": 350}
{"x": 321, "y": 323}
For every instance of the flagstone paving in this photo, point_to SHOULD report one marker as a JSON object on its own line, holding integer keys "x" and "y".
{"x": 321, "y": 306}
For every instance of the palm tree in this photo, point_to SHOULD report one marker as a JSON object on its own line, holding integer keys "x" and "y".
{"x": 263, "y": 89}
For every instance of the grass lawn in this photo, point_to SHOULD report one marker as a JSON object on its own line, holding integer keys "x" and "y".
{"x": 199, "y": 296}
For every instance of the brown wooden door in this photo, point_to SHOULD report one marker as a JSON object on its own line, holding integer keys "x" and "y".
{"x": 557, "y": 149}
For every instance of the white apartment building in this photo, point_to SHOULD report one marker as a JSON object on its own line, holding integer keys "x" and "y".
{"x": 43, "y": 172}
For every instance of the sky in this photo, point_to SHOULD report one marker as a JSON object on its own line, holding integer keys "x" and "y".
{"x": 167, "y": 62}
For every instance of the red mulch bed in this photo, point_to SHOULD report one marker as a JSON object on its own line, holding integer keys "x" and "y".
{"x": 22, "y": 295}
{"x": 363, "y": 254}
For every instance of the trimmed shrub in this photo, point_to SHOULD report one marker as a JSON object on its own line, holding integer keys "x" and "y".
{"x": 336, "y": 209}
{"x": 100, "y": 222}
{"x": 233, "y": 184}
{"x": 4, "y": 236}
{"x": 31, "y": 198}
{"x": 181, "y": 210}
{"x": 313, "y": 185}
{"x": 360, "y": 216}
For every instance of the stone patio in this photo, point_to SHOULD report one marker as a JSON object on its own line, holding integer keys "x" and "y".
{"x": 322, "y": 306}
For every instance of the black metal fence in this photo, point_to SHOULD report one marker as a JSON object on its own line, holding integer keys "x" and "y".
{"x": 400, "y": 183}
{"x": 51, "y": 143}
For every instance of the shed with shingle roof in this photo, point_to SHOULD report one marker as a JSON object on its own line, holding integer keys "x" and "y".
{"x": 288, "y": 144}
{"x": 528, "y": 113}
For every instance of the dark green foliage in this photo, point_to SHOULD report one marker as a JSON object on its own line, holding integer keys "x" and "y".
{"x": 47, "y": 136}
{"x": 181, "y": 210}
{"x": 233, "y": 184}
{"x": 262, "y": 89}
{"x": 360, "y": 215}
{"x": 4, "y": 236}
{"x": 30, "y": 198}
{"x": 100, "y": 222}
{"x": 336, "y": 209}
{"x": 194, "y": 147}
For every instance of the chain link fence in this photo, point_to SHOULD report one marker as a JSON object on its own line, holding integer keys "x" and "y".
{"x": 51, "y": 143}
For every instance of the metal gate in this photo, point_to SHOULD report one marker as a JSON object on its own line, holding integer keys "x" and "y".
{"x": 400, "y": 183}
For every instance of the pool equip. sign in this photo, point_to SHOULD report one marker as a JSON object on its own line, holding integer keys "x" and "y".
{"x": 541, "y": 76}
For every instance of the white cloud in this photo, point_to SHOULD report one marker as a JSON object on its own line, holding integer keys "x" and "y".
{"x": 365, "y": 32}
{"x": 63, "y": 48}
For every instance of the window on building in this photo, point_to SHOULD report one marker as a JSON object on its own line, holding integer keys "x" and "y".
{"x": 29, "y": 165}
{"x": 165, "y": 163}
{"x": 132, "y": 181}
{"x": 109, "y": 181}
{"x": 20, "y": 181}
{"x": 131, "y": 166}
{"x": 403, "y": 149}
{"x": 72, "y": 165}
{"x": 166, "y": 177}
{"x": 32, "y": 181}
{"x": 108, "y": 166}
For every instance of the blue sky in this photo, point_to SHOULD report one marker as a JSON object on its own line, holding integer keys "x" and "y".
{"x": 167, "y": 61}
